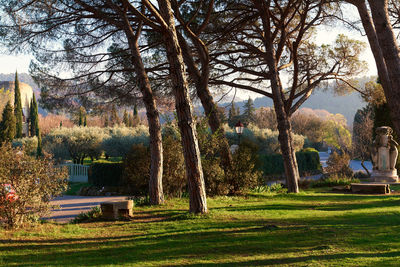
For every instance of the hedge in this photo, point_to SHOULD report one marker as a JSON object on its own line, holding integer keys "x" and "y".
{"x": 307, "y": 160}
{"x": 106, "y": 174}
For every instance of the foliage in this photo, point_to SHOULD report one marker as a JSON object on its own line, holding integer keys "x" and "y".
{"x": 35, "y": 181}
{"x": 119, "y": 140}
{"x": 338, "y": 136}
{"x": 362, "y": 133}
{"x": 51, "y": 121}
{"x": 233, "y": 115}
{"x": 114, "y": 118}
{"x": 174, "y": 171}
{"x": 307, "y": 161}
{"x": 76, "y": 143}
{"x": 266, "y": 140}
{"x": 335, "y": 180}
{"x": 28, "y": 144}
{"x": 339, "y": 164}
{"x": 274, "y": 188}
{"x": 215, "y": 179}
{"x": 92, "y": 215}
{"x": 7, "y": 125}
{"x": 245, "y": 173}
{"x": 136, "y": 170}
{"x": 106, "y": 174}
{"x": 248, "y": 115}
{"x": 265, "y": 118}
{"x": 17, "y": 108}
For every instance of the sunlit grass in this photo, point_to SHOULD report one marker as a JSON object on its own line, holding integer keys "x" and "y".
{"x": 309, "y": 228}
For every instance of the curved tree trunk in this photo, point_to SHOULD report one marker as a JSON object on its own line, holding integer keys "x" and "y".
{"x": 184, "y": 110}
{"x": 156, "y": 150}
{"x": 390, "y": 51}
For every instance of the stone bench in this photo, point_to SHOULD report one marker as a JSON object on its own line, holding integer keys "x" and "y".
{"x": 115, "y": 210}
{"x": 370, "y": 188}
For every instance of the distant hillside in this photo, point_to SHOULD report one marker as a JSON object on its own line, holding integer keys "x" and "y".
{"x": 346, "y": 105}
{"x": 25, "y": 78}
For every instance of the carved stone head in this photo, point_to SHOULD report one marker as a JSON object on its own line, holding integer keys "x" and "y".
{"x": 384, "y": 130}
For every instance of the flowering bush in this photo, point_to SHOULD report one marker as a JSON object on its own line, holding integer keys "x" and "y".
{"x": 33, "y": 182}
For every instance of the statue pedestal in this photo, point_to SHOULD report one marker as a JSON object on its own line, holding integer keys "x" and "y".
{"x": 389, "y": 176}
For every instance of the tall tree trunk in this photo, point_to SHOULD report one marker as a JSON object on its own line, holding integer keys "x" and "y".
{"x": 390, "y": 51}
{"x": 156, "y": 150}
{"x": 184, "y": 110}
{"x": 204, "y": 94}
{"x": 285, "y": 135}
{"x": 373, "y": 42}
{"x": 285, "y": 138}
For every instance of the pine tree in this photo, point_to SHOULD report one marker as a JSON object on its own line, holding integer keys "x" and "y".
{"x": 7, "y": 125}
{"x": 126, "y": 119}
{"x": 249, "y": 111}
{"x": 17, "y": 108}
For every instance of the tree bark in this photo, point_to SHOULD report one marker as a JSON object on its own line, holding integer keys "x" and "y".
{"x": 285, "y": 138}
{"x": 285, "y": 135}
{"x": 204, "y": 94}
{"x": 390, "y": 51}
{"x": 156, "y": 193}
{"x": 373, "y": 42}
{"x": 184, "y": 110}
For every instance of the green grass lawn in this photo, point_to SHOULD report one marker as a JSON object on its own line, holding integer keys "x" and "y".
{"x": 306, "y": 229}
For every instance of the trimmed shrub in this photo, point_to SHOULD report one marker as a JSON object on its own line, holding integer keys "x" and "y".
{"x": 307, "y": 160}
{"x": 120, "y": 140}
{"x": 106, "y": 174}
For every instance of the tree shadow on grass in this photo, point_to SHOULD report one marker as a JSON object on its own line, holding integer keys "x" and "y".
{"x": 214, "y": 239}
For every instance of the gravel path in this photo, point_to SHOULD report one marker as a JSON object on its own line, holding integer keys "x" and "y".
{"x": 71, "y": 206}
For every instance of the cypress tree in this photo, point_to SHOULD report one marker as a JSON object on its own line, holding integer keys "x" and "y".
{"x": 60, "y": 124}
{"x": 106, "y": 122}
{"x": 33, "y": 116}
{"x": 136, "y": 119}
{"x": 114, "y": 120}
{"x": 84, "y": 121}
{"x": 80, "y": 122}
{"x": 17, "y": 108}
{"x": 7, "y": 125}
{"x": 131, "y": 120}
{"x": 125, "y": 119}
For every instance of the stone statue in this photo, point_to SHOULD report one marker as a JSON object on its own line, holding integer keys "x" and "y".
{"x": 384, "y": 156}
